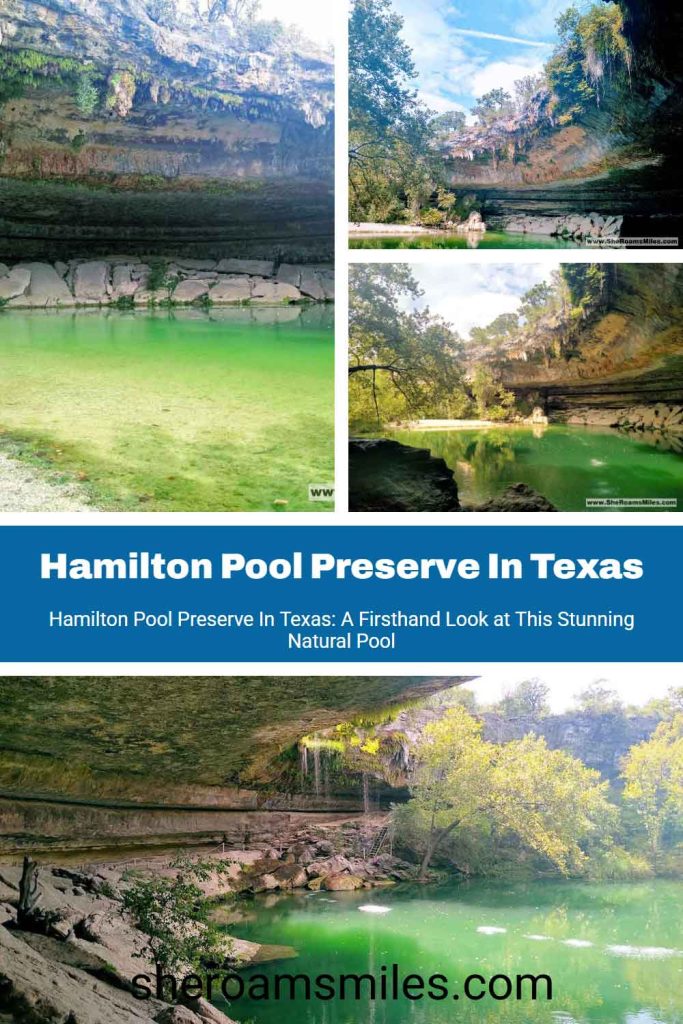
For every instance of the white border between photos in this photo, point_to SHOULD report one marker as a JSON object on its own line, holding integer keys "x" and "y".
{"x": 450, "y": 260}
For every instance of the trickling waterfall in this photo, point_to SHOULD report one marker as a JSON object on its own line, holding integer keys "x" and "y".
{"x": 303, "y": 765}
{"x": 366, "y": 793}
{"x": 316, "y": 770}
{"x": 326, "y": 778}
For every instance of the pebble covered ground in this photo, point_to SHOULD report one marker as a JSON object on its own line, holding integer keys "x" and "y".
{"x": 24, "y": 489}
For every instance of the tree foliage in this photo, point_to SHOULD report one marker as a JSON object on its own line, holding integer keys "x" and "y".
{"x": 401, "y": 356}
{"x": 174, "y": 915}
{"x": 545, "y": 798}
{"x": 528, "y": 701}
{"x": 653, "y": 777}
{"x": 393, "y": 170}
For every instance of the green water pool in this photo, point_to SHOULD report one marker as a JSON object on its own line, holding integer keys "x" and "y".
{"x": 225, "y": 410}
{"x": 565, "y": 464}
{"x": 491, "y": 240}
{"x": 614, "y": 952}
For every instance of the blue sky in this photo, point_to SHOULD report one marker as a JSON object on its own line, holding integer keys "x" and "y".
{"x": 455, "y": 66}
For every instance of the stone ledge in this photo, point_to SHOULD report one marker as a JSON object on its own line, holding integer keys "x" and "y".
{"x": 127, "y": 283}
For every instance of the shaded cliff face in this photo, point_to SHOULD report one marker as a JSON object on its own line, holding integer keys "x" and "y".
{"x": 201, "y": 138}
{"x": 173, "y": 740}
{"x": 628, "y": 352}
{"x": 92, "y": 763}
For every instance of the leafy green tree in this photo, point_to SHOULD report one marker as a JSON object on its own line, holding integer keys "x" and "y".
{"x": 666, "y": 707}
{"x": 390, "y": 132}
{"x": 173, "y": 914}
{"x": 493, "y": 401}
{"x": 87, "y": 95}
{"x": 549, "y": 800}
{"x": 597, "y": 699}
{"x": 592, "y": 49}
{"x": 653, "y": 777}
{"x": 416, "y": 355}
{"x": 526, "y": 701}
{"x": 493, "y": 106}
{"x": 449, "y": 123}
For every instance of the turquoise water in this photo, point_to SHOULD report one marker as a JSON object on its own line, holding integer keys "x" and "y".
{"x": 491, "y": 240}
{"x": 174, "y": 410}
{"x": 565, "y": 464}
{"x": 614, "y": 952}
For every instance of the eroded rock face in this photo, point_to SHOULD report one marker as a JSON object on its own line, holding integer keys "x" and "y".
{"x": 387, "y": 476}
{"x": 158, "y": 114}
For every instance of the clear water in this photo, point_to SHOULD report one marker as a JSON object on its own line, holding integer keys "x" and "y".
{"x": 491, "y": 240}
{"x": 565, "y": 464}
{"x": 178, "y": 411}
{"x": 614, "y": 952}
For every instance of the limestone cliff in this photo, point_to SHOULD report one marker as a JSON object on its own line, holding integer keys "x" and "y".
{"x": 623, "y": 355}
{"x": 191, "y": 135}
{"x": 148, "y": 760}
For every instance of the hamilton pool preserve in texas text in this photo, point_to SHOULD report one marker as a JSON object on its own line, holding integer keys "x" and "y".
{"x": 319, "y": 565}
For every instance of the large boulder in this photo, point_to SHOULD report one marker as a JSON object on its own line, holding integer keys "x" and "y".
{"x": 14, "y": 283}
{"x": 122, "y": 283}
{"x": 342, "y": 883}
{"x": 191, "y": 290}
{"x": 231, "y": 290}
{"x": 46, "y": 289}
{"x": 36, "y": 988}
{"x": 291, "y": 876}
{"x": 273, "y": 292}
{"x": 90, "y": 282}
{"x": 387, "y": 476}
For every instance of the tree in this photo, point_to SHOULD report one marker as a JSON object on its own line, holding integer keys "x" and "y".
{"x": 415, "y": 354}
{"x": 526, "y": 89}
{"x": 174, "y": 915}
{"x": 597, "y": 699}
{"x": 380, "y": 69}
{"x": 592, "y": 48}
{"x": 492, "y": 400}
{"x": 391, "y": 162}
{"x": 549, "y": 800}
{"x": 666, "y": 707}
{"x": 492, "y": 106}
{"x": 535, "y": 301}
{"x": 527, "y": 700}
{"x": 653, "y": 777}
{"x": 450, "y": 123}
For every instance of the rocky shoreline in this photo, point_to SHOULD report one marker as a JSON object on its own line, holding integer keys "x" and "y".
{"x": 128, "y": 283}
{"x": 74, "y": 959}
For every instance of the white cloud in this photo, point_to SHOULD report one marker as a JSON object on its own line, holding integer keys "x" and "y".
{"x": 492, "y": 35}
{"x": 312, "y": 17}
{"x": 473, "y": 296}
{"x": 501, "y": 74}
{"x": 440, "y": 103}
